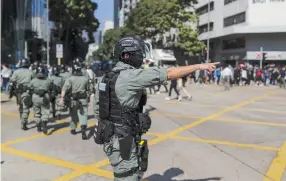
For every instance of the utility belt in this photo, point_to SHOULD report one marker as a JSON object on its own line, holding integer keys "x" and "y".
{"x": 57, "y": 90}
{"x": 40, "y": 92}
{"x": 22, "y": 88}
{"x": 79, "y": 95}
{"x": 127, "y": 133}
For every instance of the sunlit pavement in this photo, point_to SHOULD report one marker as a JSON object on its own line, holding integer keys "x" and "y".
{"x": 234, "y": 135}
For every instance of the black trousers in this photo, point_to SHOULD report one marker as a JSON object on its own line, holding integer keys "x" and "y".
{"x": 173, "y": 85}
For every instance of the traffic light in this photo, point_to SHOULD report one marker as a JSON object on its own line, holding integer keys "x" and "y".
{"x": 264, "y": 56}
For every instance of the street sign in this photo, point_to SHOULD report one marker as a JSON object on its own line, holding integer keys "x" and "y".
{"x": 59, "y": 51}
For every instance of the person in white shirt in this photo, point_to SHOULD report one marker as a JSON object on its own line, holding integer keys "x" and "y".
{"x": 226, "y": 74}
{"x": 244, "y": 76}
{"x": 5, "y": 75}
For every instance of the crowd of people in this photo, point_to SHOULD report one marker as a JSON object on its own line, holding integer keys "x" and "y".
{"x": 243, "y": 76}
{"x": 226, "y": 76}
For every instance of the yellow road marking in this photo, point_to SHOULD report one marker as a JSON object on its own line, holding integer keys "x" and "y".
{"x": 246, "y": 109}
{"x": 250, "y": 122}
{"x": 41, "y": 134}
{"x": 14, "y": 114}
{"x": 41, "y": 158}
{"x": 277, "y": 167}
{"x": 70, "y": 176}
{"x": 183, "y": 128}
{"x": 108, "y": 174}
{"x": 225, "y": 143}
{"x": 219, "y": 119}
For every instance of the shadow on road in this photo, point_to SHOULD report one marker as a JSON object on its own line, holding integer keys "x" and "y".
{"x": 57, "y": 127}
{"x": 169, "y": 175}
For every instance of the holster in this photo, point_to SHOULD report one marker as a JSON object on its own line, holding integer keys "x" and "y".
{"x": 143, "y": 154}
{"x": 103, "y": 132}
{"x": 144, "y": 122}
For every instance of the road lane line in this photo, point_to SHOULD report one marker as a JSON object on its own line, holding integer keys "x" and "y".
{"x": 92, "y": 123}
{"x": 219, "y": 119}
{"x": 277, "y": 167}
{"x": 41, "y": 158}
{"x": 250, "y": 122}
{"x": 227, "y": 143}
{"x": 104, "y": 162}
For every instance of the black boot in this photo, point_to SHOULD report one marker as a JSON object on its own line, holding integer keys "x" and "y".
{"x": 24, "y": 126}
{"x": 73, "y": 132}
{"x": 39, "y": 128}
{"x": 44, "y": 127}
{"x": 83, "y": 134}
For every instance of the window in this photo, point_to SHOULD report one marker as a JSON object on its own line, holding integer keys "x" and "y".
{"x": 204, "y": 9}
{"x": 235, "y": 19}
{"x": 233, "y": 43}
{"x": 204, "y": 28}
{"x": 228, "y": 1}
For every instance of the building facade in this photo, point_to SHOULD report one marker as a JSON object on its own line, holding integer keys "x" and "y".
{"x": 239, "y": 29}
{"x": 107, "y": 25}
{"x": 122, "y": 8}
{"x": 22, "y": 22}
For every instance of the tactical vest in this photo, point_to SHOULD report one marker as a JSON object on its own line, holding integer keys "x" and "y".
{"x": 109, "y": 105}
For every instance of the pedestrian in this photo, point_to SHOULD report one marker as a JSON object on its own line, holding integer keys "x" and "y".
{"x": 5, "y": 74}
{"x": 19, "y": 87}
{"x": 57, "y": 84}
{"x": 41, "y": 89}
{"x": 182, "y": 86}
{"x": 118, "y": 106}
{"x": 227, "y": 74}
{"x": 78, "y": 87}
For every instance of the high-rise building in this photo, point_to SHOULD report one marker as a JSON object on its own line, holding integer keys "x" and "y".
{"x": 239, "y": 28}
{"x": 39, "y": 19}
{"x": 122, "y": 9}
{"x": 107, "y": 25}
{"x": 116, "y": 13}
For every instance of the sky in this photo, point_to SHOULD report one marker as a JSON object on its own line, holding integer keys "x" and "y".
{"x": 104, "y": 11}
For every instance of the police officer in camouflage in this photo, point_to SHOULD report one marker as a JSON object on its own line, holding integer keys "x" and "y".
{"x": 19, "y": 87}
{"x": 64, "y": 73}
{"x": 78, "y": 85}
{"x": 57, "y": 82}
{"x": 41, "y": 89}
{"x": 118, "y": 106}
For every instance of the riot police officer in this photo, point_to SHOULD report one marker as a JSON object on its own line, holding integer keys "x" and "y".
{"x": 78, "y": 85}
{"x": 118, "y": 105}
{"x": 41, "y": 89}
{"x": 57, "y": 82}
{"x": 19, "y": 87}
{"x": 64, "y": 73}
{"x": 80, "y": 62}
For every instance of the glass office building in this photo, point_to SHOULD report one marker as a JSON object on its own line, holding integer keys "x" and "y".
{"x": 22, "y": 21}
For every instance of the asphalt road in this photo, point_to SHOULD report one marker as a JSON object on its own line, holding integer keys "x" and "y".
{"x": 238, "y": 135}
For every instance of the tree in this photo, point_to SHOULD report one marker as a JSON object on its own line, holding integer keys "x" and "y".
{"x": 71, "y": 18}
{"x": 110, "y": 38}
{"x": 154, "y": 20}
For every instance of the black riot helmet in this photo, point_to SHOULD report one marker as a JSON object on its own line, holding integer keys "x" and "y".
{"x": 76, "y": 69}
{"x": 79, "y": 61}
{"x": 56, "y": 70}
{"x": 24, "y": 63}
{"x": 130, "y": 50}
{"x": 40, "y": 72}
{"x": 63, "y": 68}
